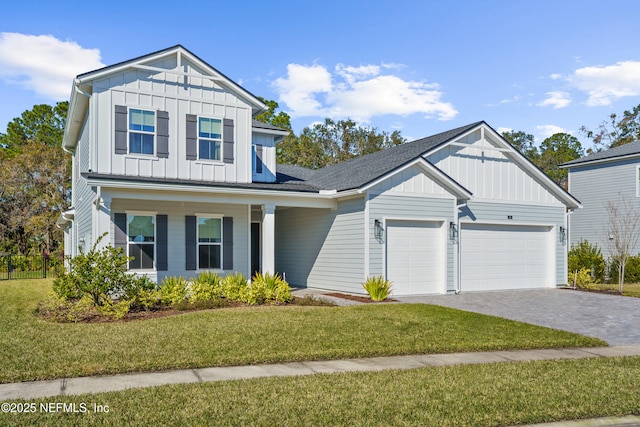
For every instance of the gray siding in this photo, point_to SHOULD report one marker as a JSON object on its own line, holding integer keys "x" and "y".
{"x": 176, "y": 212}
{"x": 594, "y": 186}
{"x": 322, "y": 248}
{"x": 406, "y": 207}
{"x": 523, "y": 214}
{"x": 83, "y": 195}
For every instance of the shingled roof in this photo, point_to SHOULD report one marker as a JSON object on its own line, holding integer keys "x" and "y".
{"x": 358, "y": 172}
{"x": 629, "y": 149}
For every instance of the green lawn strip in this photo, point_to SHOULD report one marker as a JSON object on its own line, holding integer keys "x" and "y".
{"x": 472, "y": 395}
{"x": 32, "y": 349}
{"x": 629, "y": 290}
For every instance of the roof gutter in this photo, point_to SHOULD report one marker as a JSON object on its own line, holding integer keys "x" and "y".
{"x": 599, "y": 161}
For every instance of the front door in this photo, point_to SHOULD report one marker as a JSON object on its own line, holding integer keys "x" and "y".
{"x": 255, "y": 248}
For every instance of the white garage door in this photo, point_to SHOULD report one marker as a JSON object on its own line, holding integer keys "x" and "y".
{"x": 415, "y": 257}
{"x": 495, "y": 257}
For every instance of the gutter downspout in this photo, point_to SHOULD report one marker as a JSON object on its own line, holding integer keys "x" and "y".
{"x": 76, "y": 87}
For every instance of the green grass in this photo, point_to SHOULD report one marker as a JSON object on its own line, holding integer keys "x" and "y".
{"x": 629, "y": 289}
{"x": 473, "y": 395}
{"x": 32, "y": 349}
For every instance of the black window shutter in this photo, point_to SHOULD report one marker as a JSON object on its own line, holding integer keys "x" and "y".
{"x": 192, "y": 137}
{"x": 227, "y": 243}
{"x": 120, "y": 231}
{"x": 161, "y": 243}
{"x": 227, "y": 132}
{"x": 121, "y": 145}
{"x": 190, "y": 242}
{"x": 258, "y": 158}
{"x": 163, "y": 134}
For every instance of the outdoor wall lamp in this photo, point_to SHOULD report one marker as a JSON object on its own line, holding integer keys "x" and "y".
{"x": 377, "y": 229}
{"x": 563, "y": 235}
{"x": 453, "y": 231}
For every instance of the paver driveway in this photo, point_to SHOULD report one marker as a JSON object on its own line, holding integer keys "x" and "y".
{"x": 611, "y": 318}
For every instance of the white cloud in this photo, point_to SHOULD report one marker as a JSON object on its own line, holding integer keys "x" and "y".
{"x": 358, "y": 92}
{"x": 607, "y": 84}
{"x": 44, "y": 64}
{"x": 545, "y": 131}
{"x": 502, "y": 130}
{"x": 557, "y": 99}
{"x": 555, "y": 76}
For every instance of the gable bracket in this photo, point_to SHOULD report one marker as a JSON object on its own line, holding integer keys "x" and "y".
{"x": 484, "y": 147}
{"x": 179, "y": 73}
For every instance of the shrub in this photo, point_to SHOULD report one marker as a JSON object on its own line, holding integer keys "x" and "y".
{"x": 142, "y": 294}
{"x": 581, "y": 278}
{"x": 631, "y": 270}
{"x": 377, "y": 287}
{"x": 99, "y": 274}
{"x": 60, "y": 309}
{"x": 115, "y": 310}
{"x": 206, "y": 287}
{"x": 272, "y": 286}
{"x": 235, "y": 287}
{"x": 173, "y": 290}
{"x": 586, "y": 255}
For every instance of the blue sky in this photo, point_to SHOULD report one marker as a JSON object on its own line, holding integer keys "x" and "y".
{"x": 418, "y": 66}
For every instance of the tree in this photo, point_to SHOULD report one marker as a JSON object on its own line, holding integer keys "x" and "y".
{"x": 557, "y": 149}
{"x": 34, "y": 180}
{"x": 43, "y": 123}
{"x": 523, "y": 142}
{"x": 335, "y": 141}
{"x": 614, "y": 132}
{"x": 622, "y": 234}
{"x": 281, "y": 119}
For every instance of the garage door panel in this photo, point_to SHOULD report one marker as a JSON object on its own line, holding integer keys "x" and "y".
{"x": 502, "y": 256}
{"x": 415, "y": 260}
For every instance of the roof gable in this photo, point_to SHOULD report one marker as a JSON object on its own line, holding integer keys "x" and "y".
{"x": 484, "y": 144}
{"x": 180, "y": 56}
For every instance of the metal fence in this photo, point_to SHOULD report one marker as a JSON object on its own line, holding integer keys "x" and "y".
{"x": 25, "y": 266}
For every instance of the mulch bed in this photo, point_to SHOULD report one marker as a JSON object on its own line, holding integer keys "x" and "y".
{"x": 357, "y": 298}
{"x": 595, "y": 291}
{"x": 95, "y": 317}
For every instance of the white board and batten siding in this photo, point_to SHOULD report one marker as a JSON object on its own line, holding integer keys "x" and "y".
{"x": 159, "y": 91}
{"x": 594, "y": 186}
{"x": 322, "y": 248}
{"x": 490, "y": 174}
{"x": 415, "y": 212}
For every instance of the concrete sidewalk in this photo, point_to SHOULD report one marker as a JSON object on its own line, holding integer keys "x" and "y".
{"x": 83, "y": 385}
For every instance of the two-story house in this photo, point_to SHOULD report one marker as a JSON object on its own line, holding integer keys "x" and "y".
{"x": 609, "y": 176}
{"x": 169, "y": 163}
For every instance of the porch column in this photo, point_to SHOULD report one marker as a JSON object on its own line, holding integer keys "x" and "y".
{"x": 268, "y": 238}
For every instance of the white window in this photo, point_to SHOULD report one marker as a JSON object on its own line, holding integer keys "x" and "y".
{"x": 638, "y": 181}
{"x": 209, "y": 243}
{"x": 142, "y": 130}
{"x": 209, "y": 138}
{"x": 141, "y": 232}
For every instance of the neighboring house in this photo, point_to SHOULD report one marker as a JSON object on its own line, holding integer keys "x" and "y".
{"x": 597, "y": 179}
{"x": 168, "y": 161}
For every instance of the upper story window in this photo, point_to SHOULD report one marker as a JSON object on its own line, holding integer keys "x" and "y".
{"x": 141, "y": 234}
{"x": 638, "y": 181}
{"x": 209, "y": 138}
{"x": 209, "y": 242}
{"x": 142, "y": 130}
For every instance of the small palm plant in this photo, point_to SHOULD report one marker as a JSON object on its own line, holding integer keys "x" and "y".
{"x": 377, "y": 287}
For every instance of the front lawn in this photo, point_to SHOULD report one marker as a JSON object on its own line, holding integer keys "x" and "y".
{"x": 32, "y": 349}
{"x": 497, "y": 394}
